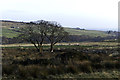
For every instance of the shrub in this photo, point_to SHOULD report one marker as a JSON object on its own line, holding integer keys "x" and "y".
{"x": 109, "y": 64}
{"x": 71, "y": 69}
{"x": 85, "y": 66}
{"x": 117, "y": 65}
{"x": 95, "y": 58}
{"x": 34, "y": 71}
{"x": 9, "y": 69}
{"x": 97, "y": 66}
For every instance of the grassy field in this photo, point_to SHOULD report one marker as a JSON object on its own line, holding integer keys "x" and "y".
{"x": 91, "y": 33}
{"x": 7, "y": 32}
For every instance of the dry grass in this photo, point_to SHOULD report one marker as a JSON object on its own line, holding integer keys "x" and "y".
{"x": 82, "y": 62}
{"x": 81, "y": 43}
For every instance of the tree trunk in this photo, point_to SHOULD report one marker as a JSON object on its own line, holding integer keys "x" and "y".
{"x": 40, "y": 49}
{"x": 51, "y": 47}
{"x": 37, "y": 48}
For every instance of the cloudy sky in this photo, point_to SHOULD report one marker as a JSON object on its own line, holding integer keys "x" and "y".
{"x": 88, "y": 14}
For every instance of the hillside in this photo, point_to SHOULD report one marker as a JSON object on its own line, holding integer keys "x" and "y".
{"x": 91, "y": 33}
{"x": 9, "y": 27}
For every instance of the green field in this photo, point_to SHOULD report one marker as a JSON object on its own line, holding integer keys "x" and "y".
{"x": 9, "y": 33}
{"x": 91, "y": 33}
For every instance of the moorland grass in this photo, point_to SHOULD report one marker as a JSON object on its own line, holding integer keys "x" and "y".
{"x": 63, "y": 63}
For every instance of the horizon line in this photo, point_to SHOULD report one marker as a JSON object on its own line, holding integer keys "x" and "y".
{"x": 20, "y": 21}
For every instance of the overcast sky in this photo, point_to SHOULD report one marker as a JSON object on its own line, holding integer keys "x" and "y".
{"x": 88, "y": 14}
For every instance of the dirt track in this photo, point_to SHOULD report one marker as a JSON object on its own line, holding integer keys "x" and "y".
{"x": 81, "y": 43}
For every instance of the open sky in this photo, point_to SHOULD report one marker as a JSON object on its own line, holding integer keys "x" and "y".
{"x": 88, "y": 14}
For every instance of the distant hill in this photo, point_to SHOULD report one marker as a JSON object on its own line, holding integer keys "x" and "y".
{"x": 9, "y": 27}
{"x": 91, "y": 33}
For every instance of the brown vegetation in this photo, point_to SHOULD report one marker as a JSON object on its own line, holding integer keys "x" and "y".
{"x": 29, "y": 64}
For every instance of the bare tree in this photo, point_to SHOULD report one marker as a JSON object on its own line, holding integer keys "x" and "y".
{"x": 35, "y": 33}
{"x": 55, "y": 33}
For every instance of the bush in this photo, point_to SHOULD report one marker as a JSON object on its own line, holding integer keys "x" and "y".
{"x": 109, "y": 64}
{"x": 97, "y": 66}
{"x": 71, "y": 69}
{"x": 117, "y": 65}
{"x": 95, "y": 58}
{"x": 85, "y": 66}
{"x": 9, "y": 69}
{"x": 34, "y": 71}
